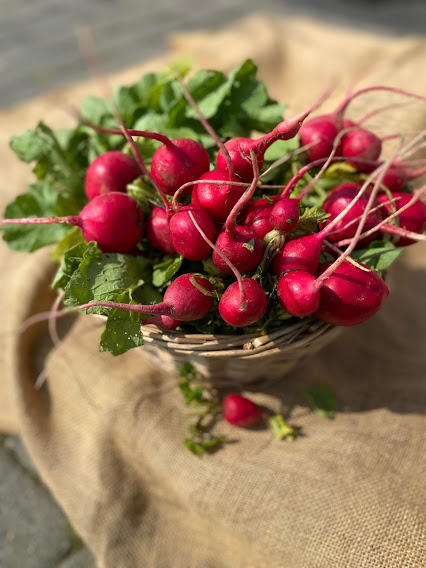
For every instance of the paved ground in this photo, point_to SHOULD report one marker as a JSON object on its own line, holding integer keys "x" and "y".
{"x": 38, "y": 51}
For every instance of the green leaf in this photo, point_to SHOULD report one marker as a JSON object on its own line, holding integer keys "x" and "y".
{"x": 104, "y": 276}
{"x": 207, "y": 443}
{"x": 28, "y": 146}
{"x": 322, "y": 400}
{"x": 379, "y": 255}
{"x": 281, "y": 148}
{"x": 164, "y": 271}
{"x": 94, "y": 109}
{"x": 122, "y": 330}
{"x": 39, "y": 201}
{"x": 72, "y": 238}
{"x": 71, "y": 261}
{"x": 310, "y": 218}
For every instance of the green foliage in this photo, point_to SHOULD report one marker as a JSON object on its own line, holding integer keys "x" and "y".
{"x": 206, "y": 406}
{"x": 379, "y": 255}
{"x": 322, "y": 400}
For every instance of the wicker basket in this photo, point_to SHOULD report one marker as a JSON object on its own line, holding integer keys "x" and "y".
{"x": 239, "y": 359}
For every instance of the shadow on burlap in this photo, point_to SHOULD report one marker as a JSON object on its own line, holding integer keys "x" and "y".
{"x": 106, "y": 433}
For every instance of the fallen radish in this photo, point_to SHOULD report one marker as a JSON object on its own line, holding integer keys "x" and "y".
{"x": 241, "y": 411}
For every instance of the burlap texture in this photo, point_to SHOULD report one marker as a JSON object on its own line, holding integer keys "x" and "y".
{"x": 106, "y": 433}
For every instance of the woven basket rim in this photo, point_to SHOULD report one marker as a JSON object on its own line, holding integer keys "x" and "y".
{"x": 197, "y": 341}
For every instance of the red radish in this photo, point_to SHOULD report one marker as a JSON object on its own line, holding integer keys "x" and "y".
{"x": 297, "y": 293}
{"x": 256, "y": 215}
{"x": 337, "y": 201}
{"x": 397, "y": 177}
{"x": 180, "y": 161}
{"x": 285, "y": 215}
{"x": 243, "y": 302}
{"x": 157, "y": 230}
{"x": 238, "y": 313}
{"x": 319, "y": 133}
{"x": 111, "y": 171}
{"x": 165, "y": 323}
{"x": 217, "y": 199}
{"x": 113, "y": 220}
{"x": 350, "y": 295}
{"x": 412, "y": 219}
{"x": 184, "y": 236}
{"x": 360, "y": 143}
{"x": 189, "y": 297}
{"x": 241, "y": 411}
{"x": 240, "y": 149}
{"x": 242, "y": 247}
{"x": 401, "y": 232}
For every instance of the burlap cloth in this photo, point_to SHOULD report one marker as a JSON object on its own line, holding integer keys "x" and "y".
{"x": 106, "y": 433}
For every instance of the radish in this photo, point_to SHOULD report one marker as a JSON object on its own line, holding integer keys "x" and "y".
{"x": 240, "y": 149}
{"x": 239, "y": 312}
{"x": 319, "y": 133}
{"x": 412, "y": 219}
{"x": 242, "y": 247}
{"x": 397, "y": 177}
{"x": 297, "y": 293}
{"x": 241, "y": 411}
{"x": 157, "y": 230}
{"x": 337, "y": 201}
{"x": 178, "y": 162}
{"x": 185, "y": 238}
{"x": 113, "y": 220}
{"x": 360, "y": 143}
{"x": 401, "y": 232}
{"x": 217, "y": 199}
{"x": 285, "y": 215}
{"x": 111, "y": 171}
{"x": 350, "y": 295}
{"x": 256, "y": 215}
{"x": 189, "y": 297}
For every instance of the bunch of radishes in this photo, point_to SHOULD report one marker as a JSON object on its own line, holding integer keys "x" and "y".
{"x": 248, "y": 255}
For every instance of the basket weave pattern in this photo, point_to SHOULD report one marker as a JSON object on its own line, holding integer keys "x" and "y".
{"x": 242, "y": 359}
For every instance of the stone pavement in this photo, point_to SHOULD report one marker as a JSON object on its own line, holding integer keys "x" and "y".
{"x": 38, "y": 51}
{"x": 34, "y": 533}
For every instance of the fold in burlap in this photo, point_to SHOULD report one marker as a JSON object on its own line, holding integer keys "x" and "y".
{"x": 106, "y": 433}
